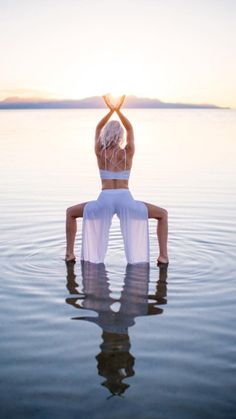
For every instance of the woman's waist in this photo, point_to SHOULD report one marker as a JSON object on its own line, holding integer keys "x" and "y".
{"x": 115, "y": 184}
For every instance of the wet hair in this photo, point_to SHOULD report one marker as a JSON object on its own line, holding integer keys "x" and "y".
{"x": 112, "y": 134}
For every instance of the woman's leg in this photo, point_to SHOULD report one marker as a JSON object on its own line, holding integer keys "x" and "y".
{"x": 71, "y": 227}
{"x": 134, "y": 228}
{"x": 161, "y": 215}
{"x": 97, "y": 218}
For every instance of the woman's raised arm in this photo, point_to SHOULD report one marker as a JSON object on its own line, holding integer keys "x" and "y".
{"x": 124, "y": 120}
{"x": 130, "y": 133}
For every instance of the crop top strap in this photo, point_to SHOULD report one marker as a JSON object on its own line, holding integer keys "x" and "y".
{"x": 116, "y": 164}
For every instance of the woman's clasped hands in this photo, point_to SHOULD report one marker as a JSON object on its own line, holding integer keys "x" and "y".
{"x": 109, "y": 100}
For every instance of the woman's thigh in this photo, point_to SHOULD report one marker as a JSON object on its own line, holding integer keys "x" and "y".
{"x": 154, "y": 211}
{"x": 76, "y": 210}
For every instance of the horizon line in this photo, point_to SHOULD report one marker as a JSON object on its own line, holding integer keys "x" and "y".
{"x": 10, "y": 102}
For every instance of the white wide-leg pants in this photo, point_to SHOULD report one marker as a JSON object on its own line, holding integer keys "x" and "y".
{"x": 97, "y": 219}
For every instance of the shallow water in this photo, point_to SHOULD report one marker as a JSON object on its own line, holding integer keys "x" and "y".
{"x": 113, "y": 340}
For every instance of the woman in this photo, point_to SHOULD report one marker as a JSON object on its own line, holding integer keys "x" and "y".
{"x": 114, "y": 165}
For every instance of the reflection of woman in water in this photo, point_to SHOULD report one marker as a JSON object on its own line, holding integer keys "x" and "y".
{"x": 115, "y": 316}
{"x": 114, "y": 164}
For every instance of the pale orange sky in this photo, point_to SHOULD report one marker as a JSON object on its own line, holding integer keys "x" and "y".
{"x": 174, "y": 50}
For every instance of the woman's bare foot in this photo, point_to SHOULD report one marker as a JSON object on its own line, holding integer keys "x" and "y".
{"x": 162, "y": 261}
{"x": 70, "y": 257}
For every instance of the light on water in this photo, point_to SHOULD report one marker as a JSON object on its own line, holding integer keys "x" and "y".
{"x": 109, "y": 341}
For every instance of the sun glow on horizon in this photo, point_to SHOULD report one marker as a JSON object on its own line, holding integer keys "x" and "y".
{"x": 153, "y": 50}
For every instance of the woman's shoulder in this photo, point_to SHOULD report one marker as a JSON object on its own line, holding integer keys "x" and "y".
{"x": 129, "y": 150}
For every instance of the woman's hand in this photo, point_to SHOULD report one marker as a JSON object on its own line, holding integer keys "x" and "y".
{"x": 120, "y": 103}
{"x": 115, "y": 107}
{"x": 110, "y": 106}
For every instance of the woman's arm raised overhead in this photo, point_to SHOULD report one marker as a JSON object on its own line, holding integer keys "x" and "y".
{"x": 129, "y": 130}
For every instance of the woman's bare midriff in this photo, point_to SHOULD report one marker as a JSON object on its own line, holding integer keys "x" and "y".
{"x": 115, "y": 184}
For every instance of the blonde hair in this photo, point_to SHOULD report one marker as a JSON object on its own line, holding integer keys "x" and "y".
{"x": 112, "y": 135}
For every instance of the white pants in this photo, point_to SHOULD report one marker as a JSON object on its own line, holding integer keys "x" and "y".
{"x": 97, "y": 219}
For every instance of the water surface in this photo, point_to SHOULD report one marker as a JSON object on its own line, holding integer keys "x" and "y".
{"x": 112, "y": 340}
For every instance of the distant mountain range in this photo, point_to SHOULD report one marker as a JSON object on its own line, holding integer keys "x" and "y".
{"x": 95, "y": 102}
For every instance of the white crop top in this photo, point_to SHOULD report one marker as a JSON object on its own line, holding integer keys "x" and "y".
{"x": 110, "y": 174}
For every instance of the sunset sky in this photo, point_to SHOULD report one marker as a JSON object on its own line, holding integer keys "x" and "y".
{"x": 174, "y": 50}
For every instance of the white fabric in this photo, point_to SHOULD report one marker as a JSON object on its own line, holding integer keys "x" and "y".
{"x": 108, "y": 174}
{"x": 97, "y": 219}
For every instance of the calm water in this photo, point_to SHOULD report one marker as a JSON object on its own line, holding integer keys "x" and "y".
{"x": 114, "y": 341}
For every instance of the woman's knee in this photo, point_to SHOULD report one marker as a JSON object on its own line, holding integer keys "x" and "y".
{"x": 161, "y": 214}
{"x": 156, "y": 212}
{"x": 69, "y": 211}
{"x": 164, "y": 213}
{"x": 75, "y": 211}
